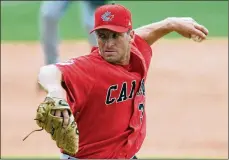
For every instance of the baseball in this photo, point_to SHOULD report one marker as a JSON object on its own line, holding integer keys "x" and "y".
{"x": 196, "y": 38}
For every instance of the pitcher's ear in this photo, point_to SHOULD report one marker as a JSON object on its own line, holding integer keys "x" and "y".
{"x": 132, "y": 34}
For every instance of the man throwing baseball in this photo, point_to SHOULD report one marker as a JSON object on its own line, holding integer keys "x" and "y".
{"x": 95, "y": 104}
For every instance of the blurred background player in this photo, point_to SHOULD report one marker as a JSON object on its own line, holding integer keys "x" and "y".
{"x": 50, "y": 15}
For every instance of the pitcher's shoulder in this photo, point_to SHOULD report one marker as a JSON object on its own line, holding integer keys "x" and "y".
{"x": 94, "y": 56}
{"x": 141, "y": 44}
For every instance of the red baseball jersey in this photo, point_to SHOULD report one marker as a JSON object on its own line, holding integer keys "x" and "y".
{"x": 108, "y": 102}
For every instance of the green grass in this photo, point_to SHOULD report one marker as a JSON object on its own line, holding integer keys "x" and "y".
{"x": 20, "y": 21}
{"x": 140, "y": 157}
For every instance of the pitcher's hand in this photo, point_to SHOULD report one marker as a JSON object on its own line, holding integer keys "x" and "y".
{"x": 189, "y": 28}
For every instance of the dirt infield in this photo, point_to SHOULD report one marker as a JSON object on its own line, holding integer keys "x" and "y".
{"x": 187, "y": 108}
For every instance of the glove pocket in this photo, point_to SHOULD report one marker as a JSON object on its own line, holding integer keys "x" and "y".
{"x": 53, "y": 124}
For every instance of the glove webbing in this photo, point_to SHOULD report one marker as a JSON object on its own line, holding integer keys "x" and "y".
{"x": 47, "y": 102}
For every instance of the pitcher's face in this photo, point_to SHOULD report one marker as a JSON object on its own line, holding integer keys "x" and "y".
{"x": 114, "y": 47}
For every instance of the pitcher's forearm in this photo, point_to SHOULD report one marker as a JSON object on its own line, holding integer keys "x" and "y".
{"x": 154, "y": 31}
{"x": 50, "y": 78}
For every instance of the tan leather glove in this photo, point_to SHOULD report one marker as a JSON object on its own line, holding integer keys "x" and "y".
{"x": 67, "y": 138}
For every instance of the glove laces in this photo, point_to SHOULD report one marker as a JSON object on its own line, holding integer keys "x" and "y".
{"x": 32, "y": 132}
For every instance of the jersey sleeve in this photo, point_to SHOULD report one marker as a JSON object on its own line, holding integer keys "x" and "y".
{"x": 77, "y": 79}
{"x": 144, "y": 48}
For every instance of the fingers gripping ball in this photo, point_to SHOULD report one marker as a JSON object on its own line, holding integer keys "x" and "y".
{"x": 196, "y": 38}
{"x": 67, "y": 138}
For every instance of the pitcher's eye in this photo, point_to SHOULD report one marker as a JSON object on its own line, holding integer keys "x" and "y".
{"x": 102, "y": 36}
{"x": 115, "y": 35}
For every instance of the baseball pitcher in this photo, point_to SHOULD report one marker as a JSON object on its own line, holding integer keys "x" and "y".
{"x": 95, "y": 104}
